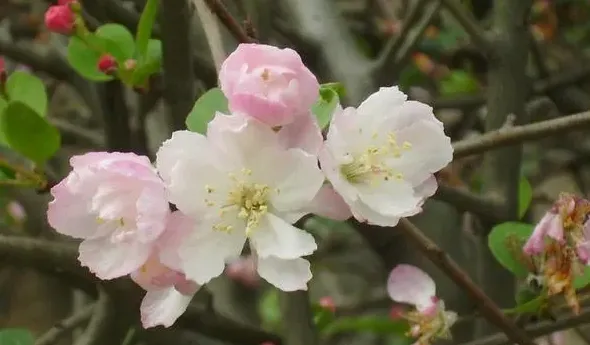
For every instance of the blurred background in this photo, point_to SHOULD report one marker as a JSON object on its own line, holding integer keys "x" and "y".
{"x": 419, "y": 45}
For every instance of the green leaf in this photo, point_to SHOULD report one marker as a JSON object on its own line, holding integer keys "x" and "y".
{"x": 26, "y": 88}
{"x": 145, "y": 27}
{"x": 458, "y": 82}
{"x": 336, "y": 86}
{"x": 16, "y": 336}
{"x": 499, "y": 242}
{"x": 525, "y": 195}
{"x": 204, "y": 110}
{"x": 322, "y": 317}
{"x": 28, "y": 133}
{"x": 269, "y": 309}
{"x": 3, "y": 105}
{"x": 583, "y": 280}
{"x": 369, "y": 323}
{"x": 151, "y": 64}
{"x": 324, "y": 108}
{"x": 118, "y": 41}
{"x": 85, "y": 60}
{"x": 529, "y": 305}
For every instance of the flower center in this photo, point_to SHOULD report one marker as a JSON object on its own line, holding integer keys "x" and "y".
{"x": 249, "y": 199}
{"x": 371, "y": 166}
{"x": 121, "y": 230}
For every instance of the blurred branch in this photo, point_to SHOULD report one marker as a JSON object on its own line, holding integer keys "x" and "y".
{"x": 116, "y": 117}
{"x": 92, "y": 137}
{"x": 212, "y": 32}
{"x": 297, "y": 318}
{"x": 518, "y": 134}
{"x": 52, "y": 336}
{"x": 538, "y": 329}
{"x": 464, "y": 200}
{"x": 179, "y": 88}
{"x": 97, "y": 331}
{"x": 443, "y": 261}
{"x": 470, "y": 24}
{"x": 219, "y": 9}
{"x": 52, "y": 64}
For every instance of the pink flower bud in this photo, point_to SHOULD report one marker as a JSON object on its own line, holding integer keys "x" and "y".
{"x": 107, "y": 64}
{"x": 396, "y": 312}
{"x": 2, "y": 65}
{"x": 65, "y": 2}
{"x": 16, "y": 211}
{"x": 130, "y": 64}
{"x": 328, "y": 303}
{"x": 60, "y": 19}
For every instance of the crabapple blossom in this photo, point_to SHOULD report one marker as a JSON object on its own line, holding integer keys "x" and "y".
{"x": 241, "y": 183}
{"x": 268, "y": 83}
{"x": 559, "y": 246}
{"x": 117, "y": 204}
{"x": 381, "y": 157}
{"x": 304, "y": 133}
{"x": 60, "y": 19}
{"x": 168, "y": 292}
{"x": 429, "y": 319}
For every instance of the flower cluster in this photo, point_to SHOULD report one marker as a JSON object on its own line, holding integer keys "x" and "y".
{"x": 559, "y": 247}
{"x": 428, "y": 318}
{"x": 254, "y": 173}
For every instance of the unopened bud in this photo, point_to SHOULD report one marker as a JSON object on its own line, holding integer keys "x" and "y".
{"x": 60, "y": 19}
{"x": 396, "y": 312}
{"x": 328, "y": 303}
{"x": 107, "y": 64}
{"x": 130, "y": 64}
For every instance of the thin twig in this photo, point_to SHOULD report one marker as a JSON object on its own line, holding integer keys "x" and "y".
{"x": 90, "y": 136}
{"x": 537, "y": 330}
{"x": 517, "y": 134}
{"x": 217, "y": 7}
{"x": 465, "y": 200}
{"x": 63, "y": 327}
{"x": 443, "y": 261}
{"x": 469, "y": 23}
{"x": 99, "y": 322}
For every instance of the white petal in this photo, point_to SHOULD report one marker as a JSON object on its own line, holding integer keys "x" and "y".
{"x": 287, "y": 275}
{"x": 364, "y": 213}
{"x": 294, "y": 173}
{"x": 275, "y": 237}
{"x": 182, "y": 146}
{"x": 390, "y": 198}
{"x": 427, "y": 188}
{"x": 204, "y": 253}
{"x": 409, "y": 284}
{"x": 112, "y": 260}
{"x": 331, "y": 168}
{"x": 163, "y": 307}
{"x": 382, "y": 102}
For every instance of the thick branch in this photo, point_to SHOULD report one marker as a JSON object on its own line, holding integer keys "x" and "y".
{"x": 442, "y": 260}
{"x": 297, "y": 318}
{"x": 219, "y": 9}
{"x": 179, "y": 88}
{"x": 116, "y": 117}
{"x": 517, "y": 134}
{"x": 63, "y": 327}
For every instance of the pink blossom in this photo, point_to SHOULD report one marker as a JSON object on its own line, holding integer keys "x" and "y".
{"x": 168, "y": 292}
{"x": 243, "y": 270}
{"x": 327, "y": 303}
{"x": 268, "y": 83}
{"x": 117, "y": 204}
{"x": 16, "y": 211}
{"x": 549, "y": 226}
{"x": 409, "y": 284}
{"x": 60, "y": 19}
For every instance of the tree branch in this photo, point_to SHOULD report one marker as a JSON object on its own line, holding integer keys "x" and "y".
{"x": 63, "y": 327}
{"x": 102, "y": 317}
{"x": 116, "y": 124}
{"x": 469, "y": 23}
{"x": 538, "y": 329}
{"x": 518, "y": 134}
{"x": 52, "y": 64}
{"x": 464, "y": 200}
{"x": 443, "y": 261}
{"x": 297, "y": 318}
{"x": 225, "y": 17}
{"x": 179, "y": 89}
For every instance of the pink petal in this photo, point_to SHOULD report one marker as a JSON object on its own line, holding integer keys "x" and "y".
{"x": 328, "y": 203}
{"x": 549, "y": 225}
{"x": 109, "y": 260}
{"x": 178, "y": 228}
{"x": 68, "y": 214}
{"x": 409, "y": 284}
{"x": 303, "y": 133}
{"x": 163, "y": 307}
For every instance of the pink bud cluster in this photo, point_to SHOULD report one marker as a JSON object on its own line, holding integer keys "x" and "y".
{"x": 61, "y": 18}
{"x": 253, "y": 174}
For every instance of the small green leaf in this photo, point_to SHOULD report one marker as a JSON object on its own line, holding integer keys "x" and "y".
{"x": 525, "y": 195}
{"x": 529, "y": 305}
{"x": 16, "y": 336}
{"x": 322, "y": 317}
{"x": 85, "y": 60}
{"x": 268, "y": 308}
{"x": 336, "y": 86}
{"x": 498, "y": 241}
{"x": 3, "y": 105}
{"x": 204, "y": 110}
{"x": 583, "y": 280}
{"x": 371, "y": 324}
{"x": 28, "y": 133}
{"x": 324, "y": 108}
{"x": 458, "y": 82}
{"x": 118, "y": 41}
{"x": 145, "y": 27}
{"x": 26, "y": 88}
{"x": 151, "y": 64}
